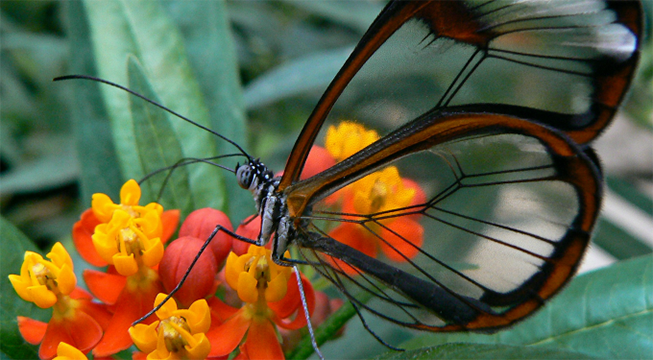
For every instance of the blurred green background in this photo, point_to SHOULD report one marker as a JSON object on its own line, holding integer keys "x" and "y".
{"x": 286, "y": 53}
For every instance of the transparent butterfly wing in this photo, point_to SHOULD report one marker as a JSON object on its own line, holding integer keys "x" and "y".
{"x": 509, "y": 210}
{"x": 567, "y": 65}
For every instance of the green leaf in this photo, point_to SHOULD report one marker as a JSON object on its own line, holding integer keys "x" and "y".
{"x": 212, "y": 55}
{"x": 98, "y": 162}
{"x": 483, "y": 351}
{"x": 57, "y": 168}
{"x": 158, "y": 147}
{"x": 607, "y": 313}
{"x": 143, "y": 29}
{"x": 312, "y": 73}
{"x": 13, "y": 247}
{"x": 356, "y": 14}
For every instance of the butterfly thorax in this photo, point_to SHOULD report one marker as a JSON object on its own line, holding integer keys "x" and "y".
{"x": 270, "y": 204}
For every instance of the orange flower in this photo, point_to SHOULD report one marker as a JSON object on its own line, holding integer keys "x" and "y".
{"x": 178, "y": 334}
{"x": 84, "y": 229}
{"x": 384, "y": 193}
{"x": 75, "y": 319}
{"x": 130, "y": 238}
{"x": 270, "y": 297}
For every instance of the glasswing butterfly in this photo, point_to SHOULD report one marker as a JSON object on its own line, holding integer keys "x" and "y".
{"x": 511, "y": 187}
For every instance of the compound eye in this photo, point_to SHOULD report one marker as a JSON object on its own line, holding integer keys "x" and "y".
{"x": 244, "y": 176}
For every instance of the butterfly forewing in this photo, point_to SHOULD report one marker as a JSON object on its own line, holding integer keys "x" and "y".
{"x": 566, "y": 65}
{"x": 506, "y": 212}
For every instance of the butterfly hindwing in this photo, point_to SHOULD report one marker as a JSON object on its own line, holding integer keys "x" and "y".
{"x": 499, "y": 236}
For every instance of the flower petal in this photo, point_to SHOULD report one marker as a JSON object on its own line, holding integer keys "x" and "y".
{"x": 66, "y": 281}
{"x": 226, "y": 337}
{"x": 68, "y": 352}
{"x": 106, "y": 287}
{"x": 129, "y": 307}
{"x": 144, "y": 336}
{"x": 262, "y": 342}
{"x": 126, "y": 265}
{"x": 202, "y": 347}
{"x": 80, "y": 331}
{"x": 103, "y": 207}
{"x": 231, "y": 270}
{"x": 82, "y": 232}
{"x": 41, "y": 296}
{"x": 220, "y": 311}
{"x": 277, "y": 288}
{"x": 300, "y": 319}
{"x": 31, "y": 330}
{"x": 200, "y": 320}
{"x": 153, "y": 254}
{"x": 169, "y": 221}
{"x": 130, "y": 193}
{"x": 247, "y": 290}
{"x": 60, "y": 256}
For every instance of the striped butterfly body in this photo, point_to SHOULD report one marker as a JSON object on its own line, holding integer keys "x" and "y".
{"x": 476, "y": 203}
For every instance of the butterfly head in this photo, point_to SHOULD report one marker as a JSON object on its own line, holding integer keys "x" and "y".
{"x": 252, "y": 174}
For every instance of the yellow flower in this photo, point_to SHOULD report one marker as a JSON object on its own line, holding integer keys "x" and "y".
{"x": 381, "y": 191}
{"x": 255, "y": 274}
{"x": 347, "y": 139}
{"x": 129, "y": 235}
{"x": 69, "y": 352}
{"x": 43, "y": 282}
{"x": 264, "y": 287}
{"x": 178, "y": 334}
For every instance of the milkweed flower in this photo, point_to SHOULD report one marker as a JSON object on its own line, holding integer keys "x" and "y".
{"x": 75, "y": 318}
{"x": 270, "y": 297}
{"x": 396, "y": 230}
{"x": 178, "y": 334}
{"x": 128, "y": 237}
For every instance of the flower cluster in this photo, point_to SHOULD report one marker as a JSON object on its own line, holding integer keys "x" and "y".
{"x": 258, "y": 297}
{"x": 258, "y": 312}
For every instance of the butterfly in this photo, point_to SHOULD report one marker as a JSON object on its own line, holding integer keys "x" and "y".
{"x": 512, "y": 188}
{"x": 489, "y": 107}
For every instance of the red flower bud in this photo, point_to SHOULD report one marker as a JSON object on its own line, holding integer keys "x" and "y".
{"x": 201, "y": 223}
{"x": 176, "y": 260}
{"x": 250, "y": 231}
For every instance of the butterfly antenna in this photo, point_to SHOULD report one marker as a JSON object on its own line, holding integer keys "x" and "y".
{"x": 92, "y": 78}
{"x": 184, "y": 162}
{"x": 189, "y": 161}
{"x": 302, "y": 296}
